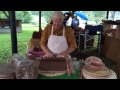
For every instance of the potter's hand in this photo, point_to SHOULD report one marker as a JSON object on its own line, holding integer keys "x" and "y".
{"x": 61, "y": 55}
{"x": 48, "y": 55}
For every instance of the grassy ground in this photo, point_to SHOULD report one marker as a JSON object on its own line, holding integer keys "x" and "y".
{"x": 5, "y": 40}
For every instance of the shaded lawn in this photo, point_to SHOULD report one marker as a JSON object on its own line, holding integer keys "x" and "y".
{"x": 5, "y": 42}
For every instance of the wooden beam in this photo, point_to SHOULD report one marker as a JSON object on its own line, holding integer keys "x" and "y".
{"x": 107, "y": 14}
{"x": 39, "y": 20}
{"x": 13, "y": 31}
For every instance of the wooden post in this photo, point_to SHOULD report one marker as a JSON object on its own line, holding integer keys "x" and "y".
{"x": 13, "y": 31}
{"x": 107, "y": 14}
{"x": 118, "y": 32}
{"x": 39, "y": 20}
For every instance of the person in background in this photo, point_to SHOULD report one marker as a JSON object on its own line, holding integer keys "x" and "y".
{"x": 34, "y": 49}
{"x": 75, "y": 23}
{"x": 66, "y": 17}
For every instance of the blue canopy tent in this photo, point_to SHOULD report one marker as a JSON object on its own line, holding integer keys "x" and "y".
{"x": 81, "y": 15}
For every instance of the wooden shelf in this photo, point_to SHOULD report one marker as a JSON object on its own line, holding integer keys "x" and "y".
{"x": 112, "y": 22}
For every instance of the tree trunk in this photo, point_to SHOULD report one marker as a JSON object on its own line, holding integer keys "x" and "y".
{"x": 6, "y": 14}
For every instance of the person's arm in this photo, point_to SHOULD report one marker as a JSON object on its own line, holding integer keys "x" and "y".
{"x": 30, "y": 46}
{"x": 46, "y": 50}
{"x": 44, "y": 40}
{"x": 65, "y": 53}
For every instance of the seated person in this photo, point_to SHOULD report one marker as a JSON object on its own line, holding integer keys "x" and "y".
{"x": 58, "y": 39}
{"x": 34, "y": 48}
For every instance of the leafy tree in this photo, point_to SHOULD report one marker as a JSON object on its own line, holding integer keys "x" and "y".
{"x": 28, "y": 18}
{"x": 35, "y": 12}
{"x": 4, "y": 14}
{"x": 96, "y": 16}
{"x": 46, "y": 14}
{"x": 25, "y": 16}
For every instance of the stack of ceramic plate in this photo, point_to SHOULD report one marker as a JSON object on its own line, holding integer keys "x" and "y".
{"x": 101, "y": 74}
{"x": 7, "y": 71}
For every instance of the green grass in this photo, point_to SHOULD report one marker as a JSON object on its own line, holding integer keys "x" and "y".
{"x": 30, "y": 27}
{"x": 96, "y": 40}
{"x": 22, "y": 38}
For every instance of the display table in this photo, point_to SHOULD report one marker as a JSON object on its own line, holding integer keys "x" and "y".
{"x": 64, "y": 76}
